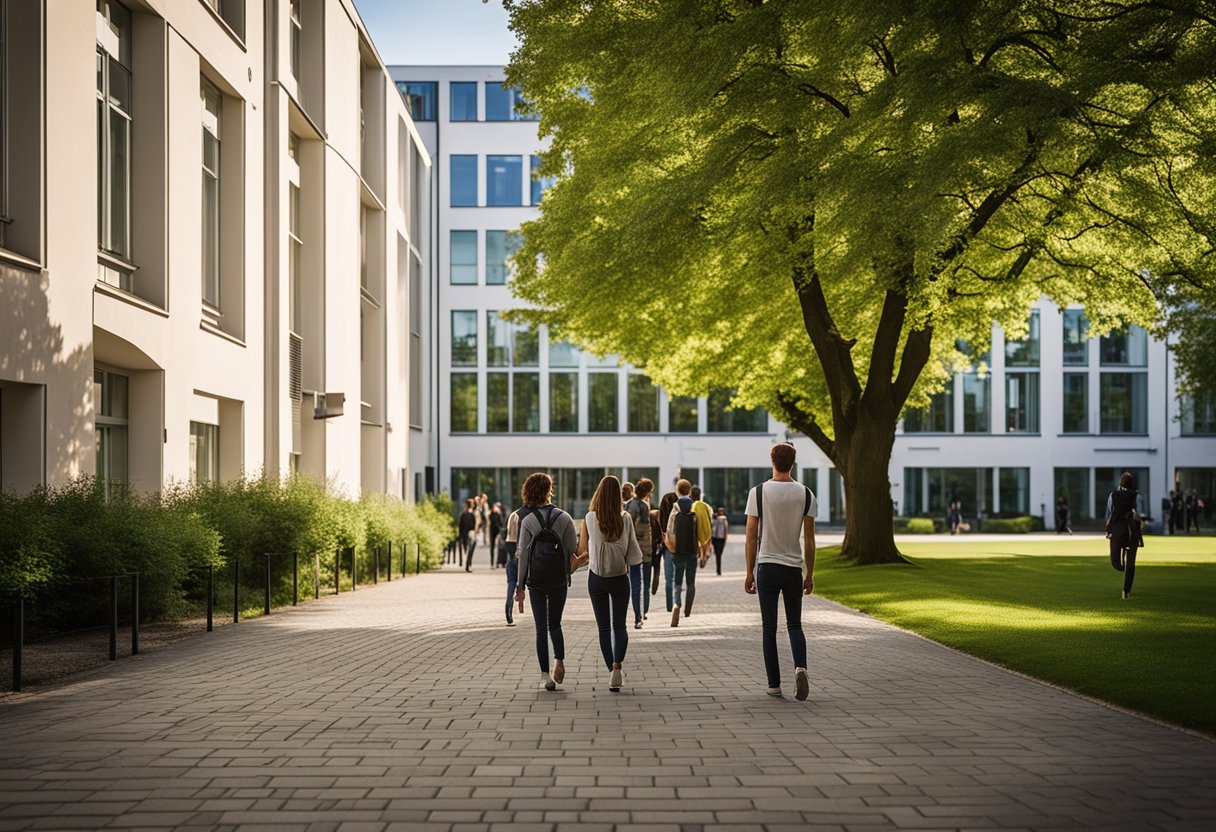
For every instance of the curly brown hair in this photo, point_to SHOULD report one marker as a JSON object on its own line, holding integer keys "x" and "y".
{"x": 643, "y": 488}
{"x": 783, "y": 456}
{"x": 606, "y": 503}
{"x": 537, "y": 488}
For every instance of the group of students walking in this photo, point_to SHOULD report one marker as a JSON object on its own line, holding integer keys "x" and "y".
{"x": 624, "y": 543}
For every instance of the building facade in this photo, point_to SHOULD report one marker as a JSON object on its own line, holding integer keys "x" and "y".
{"x": 215, "y": 225}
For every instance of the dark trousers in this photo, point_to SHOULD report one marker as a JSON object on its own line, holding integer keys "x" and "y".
{"x": 775, "y": 581}
{"x": 470, "y": 545}
{"x": 1125, "y": 564}
{"x": 656, "y": 567}
{"x": 494, "y": 560}
{"x": 639, "y": 582}
{"x": 547, "y": 606}
{"x": 610, "y": 602}
{"x": 1192, "y": 519}
{"x": 684, "y": 569}
{"x": 719, "y": 545}
{"x": 512, "y": 581}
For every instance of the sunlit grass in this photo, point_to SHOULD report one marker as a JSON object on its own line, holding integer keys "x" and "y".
{"x": 1051, "y": 608}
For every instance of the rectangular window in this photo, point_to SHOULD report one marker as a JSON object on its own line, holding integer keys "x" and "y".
{"x": 1015, "y": 491}
{"x": 562, "y": 353}
{"x": 1125, "y": 348}
{"x": 498, "y": 341}
{"x": 204, "y": 453}
{"x": 498, "y": 402}
{"x": 464, "y": 100}
{"x": 420, "y": 98}
{"x": 1106, "y": 480}
{"x": 504, "y": 180}
{"x": 722, "y": 418}
{"x": 1124, "y": 403}
{"x": 464, "y": 338}
{"x": 525, "y": 346}
{"x": 540, "y": 183}
{"x": 938, "y": 417}
{"x": 114, "y": 131}
{"x": 112, "y": 426}
{"x": 464, "y": 181}
{"x": 525, "y": 402}
{"x": 971, "y": 487}
{"x": 1198, "y": 415}
{"x": 914, "y": 492}
{"x": 464, "y": 402}
{"x": 1076, "y": 403}
{"x": 1025, "y": 352}
{"x": 1021, "y": 402}
{"x": 500, "y": 101}
{"x": 297, "y": 29}
{"x": 1072, "y": 486}
{"x": 500, "y": 245}
{"x": 977, "y": 398}
{"x": 463, "y": 258}
{"x": 602, "y": 408}
{"x": 212, "y": 102}
{"x": 295, "y": 261}
{"x": 682, "y": 414}
{"x": 643, "y": 404}
{"x": 563, "y": 402}
{"x": 1076, "y": 337}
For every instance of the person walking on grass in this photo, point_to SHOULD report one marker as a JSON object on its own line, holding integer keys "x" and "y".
{"x": 607, "y": 539}
{"x": 468, "y": 532}
{"x": 684, "y": 542}
{"x": 1123, "y": 529}
{"x": 780, "y": 516}
{"x": 638, "y": 509}
{"x": 666, "y": 506}
{"x": 547, "y": 541}
{"x": 720, "y": 529}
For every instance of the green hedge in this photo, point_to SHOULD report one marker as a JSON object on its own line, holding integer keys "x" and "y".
{"x": 919, "y": 525}
{"x": 1008, "y": 525}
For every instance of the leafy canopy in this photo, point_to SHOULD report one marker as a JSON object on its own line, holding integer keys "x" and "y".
{"x": 966, "y": 156}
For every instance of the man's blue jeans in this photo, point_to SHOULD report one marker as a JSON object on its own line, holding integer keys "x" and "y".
{"x": 669, "y": 574}
{"x": 685, "y": 572}
{"x": 512, "y": 580}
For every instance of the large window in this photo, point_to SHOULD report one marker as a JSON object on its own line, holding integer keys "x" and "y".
{"x": 212, "y": 103}
{"x": 563, "y": 402}
{"x": 297, "y": 30}
{"x": 643, "y": 404}
{"x": 112, "y": 426}
{"x": 1076, "y": 403}
{"x": 1015, "y": 491}
{"x": 498, "y": 341}
{"x": 602, "y": 410}
{"x": 464, "y": 338}
{"x": 1106, "y": 480}
{"x": 728, "y": 487}
{"x": 498, "y": 402}
{"x": 1076, "y": 337}
{"x": 562, "y": 353}
{"x": 682, "y": 414}
{"x": 1124, "y": 403}
{"x": 114, "y": 131}
{"x": 295, "y": 261}
{"x": 464, "y": 403}
{"x": 1025, "y": 352}
{"x": 505, "y": 103}
{"x": 204, "y": 453}
{"x": 722, "y": 418}
{"x": 1199, "y": 415}
{"x": 504, "y": 180}
{"x": 525, "y": 402}
{"x": 420, "y": 98}
{"x": 540, "y": 183}
{"x": 463, "y": 258}
{"x": 1125, "y": 348}
{"x": 977, "y": 403}
{"x": 1072, "y": 484}
{"x": 938, "y": 417}
{"x": 1022, "y": 402}
{"x": 464, "y": 181}
{"x": 930, "y": 490}
{"x": 464, "y": 100}
{"x": 500, "y": 245}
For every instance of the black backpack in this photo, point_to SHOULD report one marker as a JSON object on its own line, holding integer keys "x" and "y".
{"x": 686, "y": 531}
{"x": 548, "y": 562}
{"x": 760, "y": 509}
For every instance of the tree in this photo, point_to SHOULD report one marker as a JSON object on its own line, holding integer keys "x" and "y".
{"x": 819, "y": 203}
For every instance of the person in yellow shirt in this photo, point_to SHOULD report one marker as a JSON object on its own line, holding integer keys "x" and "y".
{"x": 705, "y": 524}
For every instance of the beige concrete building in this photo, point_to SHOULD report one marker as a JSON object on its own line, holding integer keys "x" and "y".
{"x": 213, "y": 226}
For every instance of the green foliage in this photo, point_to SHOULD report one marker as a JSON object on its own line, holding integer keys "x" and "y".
{"x": 1009, "y": 525}
{"x": 919, "y": 525}
{"x": 1192, "y": 320}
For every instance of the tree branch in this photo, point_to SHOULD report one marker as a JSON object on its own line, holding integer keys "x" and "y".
{"x": 805, "y": 423}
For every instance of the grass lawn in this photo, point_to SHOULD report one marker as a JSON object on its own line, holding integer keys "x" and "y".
{"x": 1051, "y": 608}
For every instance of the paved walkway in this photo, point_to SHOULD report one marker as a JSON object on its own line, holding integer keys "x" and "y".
{"x": 411, "y": 706}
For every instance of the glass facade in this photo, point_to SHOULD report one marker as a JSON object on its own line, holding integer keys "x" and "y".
{"x": 602, "y": 409}
{"x": 212, "y": 103}
{"x": 540, "y": 183}
{"x": 563, "y": 402}
{"x": 464, "y": 403}
{"x": 682, "y": 414}
{"x": 1076, "y": 337}
{"x": 1076, "y": 403}
{"x": 464, "y": 101}
{"x": 1106, "y": 480}
{"x": 562, "y": 353}
{"x": 204, "y": 453}
{"x": 1015, "y": 491}
{"x": 1022, "y": 402}
{"x": 977, "y": 403}
{"x": 729, "y": 487}
{"x": 464, "y": 338}
{"x": 1073, "y": 485}
{"x": 643, "y": 404}
{"x": 938, "y": 417}
{"x": 113, "y": 70}
{"x": 1198, "y": 415}
{"x": 505, "y": 103}
{"x": 1125, "y": 348}
{"x": 504, "y": 180}
{"x": 463, "y": 258}
{"x": 722, "y": 418}
{"x": 500, "y": 245}
{"x": 498, "y": 402}
{"x": 1025, "y": 352}
{"x": 112, "y": 426}
{"x": 928, "y": 491}
{"x": 1124, "y": 403}
{"x": 572, "y": 487}
{"x": 525, "y": 402}
{"x": 464, "y": 181}
{"x": 421, "y": 99}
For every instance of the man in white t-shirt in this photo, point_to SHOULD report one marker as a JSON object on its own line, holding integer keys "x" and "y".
{"x": 780, "y": 551}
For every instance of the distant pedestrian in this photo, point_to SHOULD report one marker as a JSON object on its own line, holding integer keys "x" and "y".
{"x": 684, "y": 542}
{"x": 1193, "y": 506}
{"x": 1167, "y": 510}
{"x": 954, "y": 516}
{"x": 510, "y": 544}
{"x": 547, "y": 540}
{"x": 781, "y": 522}
{"x": 1063, "y": 516}
{"x": 468, "y": 532}
{"x": 657, "y": 550}
{"x": 608, "y": 540}
{"x": 626, "y": 492}
{"x": 483, "y": 521}
{"x": 705, "y": 525}
{"x": 720, "y": 529}
{"x": 497, "y": 558}
{"x": 1177, "y": 512}
{"x": 638, "y": 509}
{"x": 1123, "y": 530}
{"x": 666, "y": 507}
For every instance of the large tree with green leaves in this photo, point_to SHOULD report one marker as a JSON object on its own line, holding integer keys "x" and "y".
{"x": 818, "y": 203}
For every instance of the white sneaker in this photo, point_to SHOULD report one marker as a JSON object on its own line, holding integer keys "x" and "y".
{"x": 1126, "y": 595}
{"x": 617, "y": 679}
{"x": 802, "y": 684}
{"x": 775, "y": 691}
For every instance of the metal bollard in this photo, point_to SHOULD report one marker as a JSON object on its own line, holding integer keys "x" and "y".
{"x": 236, "y": 590}
{"x": 210, "y": 597}
{"x": 376, "y": 574}
{"x": 418, "y": 564}
{"x": 266, "y": 595}
{"x": 337, "y": 571}
{"x": 316, "y": 576}
{"x": 354, "y": 569}
{"x": 113, "y": 618}
{"x": 134, "y": 613}
{"x": 18, "y": 639}
{"x": 389, "y": 570}
{"x": 295, "y": 579}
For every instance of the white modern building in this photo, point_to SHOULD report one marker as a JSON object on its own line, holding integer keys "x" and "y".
{"x": 215, "y": 231}
{"x": 1060, "y": 412}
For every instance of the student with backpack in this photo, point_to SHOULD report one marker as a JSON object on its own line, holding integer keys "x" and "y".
{"x": 1123, "y": 530}
{"x": 720, "y": 529}
{"x": 547, "y": 541}
{"x": 780, "y": 516}
{"x": 638, "y": 510}
{"x": 608, "y": 540}
{"x": 686, "y": 543}
{"x": 666, "y": 506}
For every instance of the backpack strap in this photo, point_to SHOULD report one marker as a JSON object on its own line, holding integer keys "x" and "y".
{"x": 760, "y": 501}
{"x": 547, "y": 523}
{"x": 807, "y": 508}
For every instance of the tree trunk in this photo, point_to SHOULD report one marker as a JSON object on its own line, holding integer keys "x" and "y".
{"x": 869, "y": 528}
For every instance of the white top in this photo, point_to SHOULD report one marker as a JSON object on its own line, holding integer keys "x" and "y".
{"x": 612, "y": 558}
{"x": 781, "y": 527}
{"x": 719, "y": 526}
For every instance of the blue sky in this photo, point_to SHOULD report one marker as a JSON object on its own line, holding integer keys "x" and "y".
{"x": 438, "y": 31}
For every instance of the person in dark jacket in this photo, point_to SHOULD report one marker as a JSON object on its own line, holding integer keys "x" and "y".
{"x": 468, "y": 532}
{"x": 496, "y": 518}
{"x": 1123, "y": 529}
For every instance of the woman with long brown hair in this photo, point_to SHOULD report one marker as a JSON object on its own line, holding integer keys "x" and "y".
{"x": 608, "y": 538}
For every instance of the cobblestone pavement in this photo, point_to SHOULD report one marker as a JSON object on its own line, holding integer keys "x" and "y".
{"x": 412, "y": 706}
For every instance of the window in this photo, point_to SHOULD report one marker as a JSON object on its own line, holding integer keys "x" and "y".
{"x": 464, "y": 338}
{"x": 420, "y": 98}
{"x": 363, "y": 246}
{"x": 1106, "y": 480}
{"x": 504, "y": 103}
{"x": 525, "y": 402}
{"x": 463, "y": 258}
{"x": 112, "y": 426}
{"x": 464, "y": 100}
{"x": 562, "y": 353}
{"x": 971, "y": 487}
{"x": 725, "y": 419}
{"x": 232, "y": 12}
{"x": 540, "y": 184}
{"x": 500, "y": 245}
{"x": 297, "y": 28}
{"x": 1125, "y": 348}
{"x": 498, "y": 401}
{"x": 643, "y": 404}
{"x": 602, "y": 402}
{"x": 114, "y": 131}
{"x": 1022, "y": 402}
{"x": 1076, "y": 337}
{"x": 464, "y": 402}
{"x": 938, "y": 417}
{"x": 525, "y": 346}
{"x": 498, "y": 341}
{"x": 1015, "y": 491}
{"x": 212, "y": 103}
{"x": 1124, "y": 403}
{"x": 729, "y": 487}
{"x": 563, "y": 402}
{"x": 504, "y": 180}
{"x": 464, "y": 181}
{"x": 1072, "y": 484}
{"x": 682, "y": 414}
{"x": 1199, "y": 415}
{"x": 417, "y": 394}
{"x": 204, "y": 453}
{"x": 295, "y": 258}
{"x": 1025, "y": 352}
{"x": 1076, "y": 403}
{"x": 976, "y": 403}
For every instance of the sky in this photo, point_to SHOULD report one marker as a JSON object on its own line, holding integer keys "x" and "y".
{"x": 438, "y": 31}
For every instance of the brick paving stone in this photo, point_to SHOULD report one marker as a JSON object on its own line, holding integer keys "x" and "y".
{"x": 409, "y": 706}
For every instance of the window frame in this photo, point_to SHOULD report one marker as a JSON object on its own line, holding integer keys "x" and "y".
{"x": 452, "y": 87}
{"x": 493, "y": 195}
{"x": 463, "y": 234}
{"x": 110, "y": 59}
{"x": 463, "y": 159}
{"x": 212, "y": 126}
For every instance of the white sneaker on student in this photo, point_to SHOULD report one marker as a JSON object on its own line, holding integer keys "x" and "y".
{"x": 802, "y": 684}
{"x": 775, "y": 691}
{"x": 617, "y": 679}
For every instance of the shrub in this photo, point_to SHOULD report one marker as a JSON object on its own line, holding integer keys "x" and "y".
{"x": 919, "y": 525}
{"x": 1009, "y": 525}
